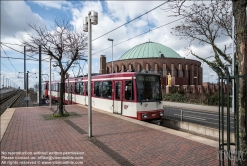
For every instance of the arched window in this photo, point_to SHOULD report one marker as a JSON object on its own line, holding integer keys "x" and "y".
{"x": 175, "y": 72}
{"x": 151, "y": 70}
{"x": 160, "y": 71}
{"x": 168, "y": 71}
{"x": 143, "y": 71}
{"x": 183, "y": 73}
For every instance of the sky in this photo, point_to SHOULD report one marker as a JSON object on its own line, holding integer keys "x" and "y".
{"x": 111, "y": 14}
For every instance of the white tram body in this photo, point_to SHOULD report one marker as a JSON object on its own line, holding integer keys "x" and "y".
{"x": 131, "y": 94}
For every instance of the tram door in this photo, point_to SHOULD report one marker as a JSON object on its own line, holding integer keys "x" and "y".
{"x": 117, "y": 102}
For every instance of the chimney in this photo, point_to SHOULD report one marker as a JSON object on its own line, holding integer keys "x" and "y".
{"x": 102, "y": 64}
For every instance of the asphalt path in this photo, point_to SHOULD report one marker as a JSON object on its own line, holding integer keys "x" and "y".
{"x": 207, "y": 117}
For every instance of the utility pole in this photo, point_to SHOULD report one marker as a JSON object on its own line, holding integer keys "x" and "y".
{"x": 233, "y": 65}
{"x": 3, "y": 82}
{"x": 50, "y": 84}
{"x": 68, "y": 87}
{"x": 0, "y": 72}
{"x": 25, "y": 87}
{"x": 39, "y": 75}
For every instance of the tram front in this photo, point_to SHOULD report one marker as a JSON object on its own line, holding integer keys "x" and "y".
{"x": 149, "y": 97}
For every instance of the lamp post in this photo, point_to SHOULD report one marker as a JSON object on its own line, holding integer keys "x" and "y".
{"x": 92, "y": 18}
{"x": 112, "y": 69}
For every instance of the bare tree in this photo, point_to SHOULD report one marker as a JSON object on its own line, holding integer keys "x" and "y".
{"x": 239, "y": 13}
{"x": 61, "y": 43}
{"x": 204, "y": 24}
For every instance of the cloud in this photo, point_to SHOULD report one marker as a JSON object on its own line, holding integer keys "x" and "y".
{"x": 115, "y": 14}
{"x": 14, "y": 18}
{"x": 53, "y": 4}
{"x": 111, "y": 14}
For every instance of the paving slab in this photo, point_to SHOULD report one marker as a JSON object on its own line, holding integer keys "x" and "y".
{"x": 116, "y": 140}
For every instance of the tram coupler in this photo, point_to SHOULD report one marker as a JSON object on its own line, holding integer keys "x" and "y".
{"x": 157, "y": 122}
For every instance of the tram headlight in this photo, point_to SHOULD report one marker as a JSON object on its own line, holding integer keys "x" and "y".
{"x": 144, "y": 116}
{"x": 161, "y": 114}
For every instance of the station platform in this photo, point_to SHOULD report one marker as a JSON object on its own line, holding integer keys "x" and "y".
{"x": 28, "y": 137}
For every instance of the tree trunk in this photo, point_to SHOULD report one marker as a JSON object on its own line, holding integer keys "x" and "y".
{"x": 61, "y": 99}
{"x": 239, "y": 12}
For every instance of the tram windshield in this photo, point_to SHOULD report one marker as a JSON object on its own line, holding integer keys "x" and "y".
{"x": 148, "y": 88}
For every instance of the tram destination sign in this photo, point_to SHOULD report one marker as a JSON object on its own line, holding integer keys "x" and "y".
{"x": 147, "y": 78}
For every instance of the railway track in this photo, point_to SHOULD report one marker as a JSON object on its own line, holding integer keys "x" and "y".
{"x": 7, "y": 97}
{"x": 7, "y": 100}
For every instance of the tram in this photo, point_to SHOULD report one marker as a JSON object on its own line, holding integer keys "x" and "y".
{"x": 44, "y": 89}
{"x": 131, "y": 94}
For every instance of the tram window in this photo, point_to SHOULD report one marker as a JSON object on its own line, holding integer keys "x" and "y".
{"x": 117, "y": 92}
{"x": 86, "y": 89}
{"x": 66, "y": 87}
{"x": 128, "y": 90}
{"x": 77, "y": 87}
{"x": 148, "y": 88}
{"x": 71, "y": 88}
{"x": 107, "y": 89}
{"x": 97, "y": 89}
{"x": 81, "y": 88}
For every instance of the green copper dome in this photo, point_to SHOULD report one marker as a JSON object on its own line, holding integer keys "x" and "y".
{"x": 150, "y": 50}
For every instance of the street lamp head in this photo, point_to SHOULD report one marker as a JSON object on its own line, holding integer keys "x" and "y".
{"x": 85, "y": 24}
{"x": 110, "y": 39}
{"x": 94, "y": 17}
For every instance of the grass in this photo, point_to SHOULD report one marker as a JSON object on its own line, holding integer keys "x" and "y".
{"x": 58, "y": 116}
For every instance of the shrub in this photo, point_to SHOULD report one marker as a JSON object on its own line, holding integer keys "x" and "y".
{"x": 206, "y": 99}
